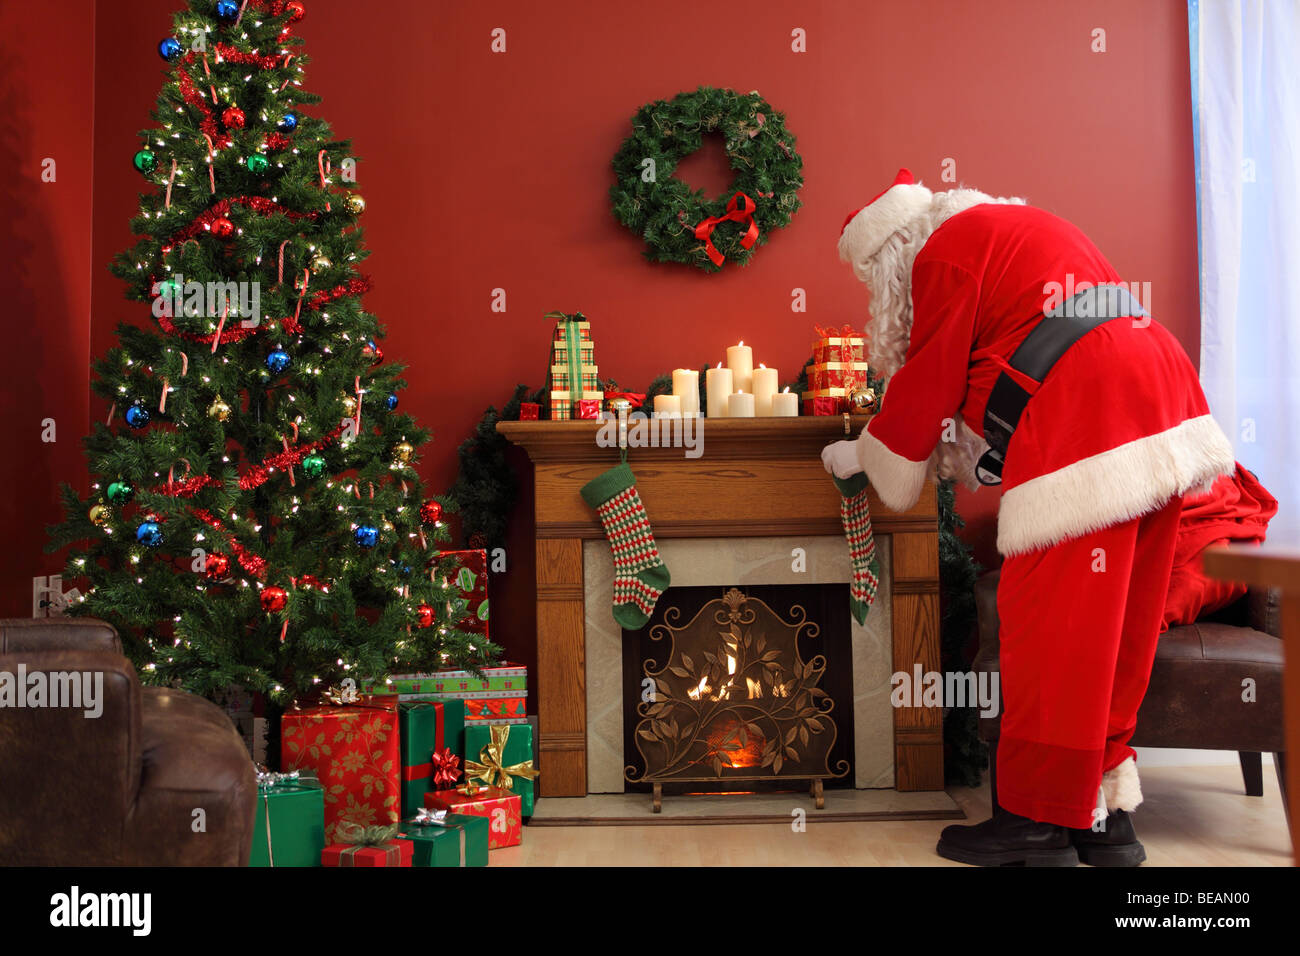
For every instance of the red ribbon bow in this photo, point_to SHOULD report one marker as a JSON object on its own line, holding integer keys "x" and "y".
{"x": 446, "y": 769}
{"x": 735, "y": 213}
{"x": 637, "y": 399}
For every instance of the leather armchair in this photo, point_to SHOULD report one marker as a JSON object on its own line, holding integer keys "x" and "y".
{"x": 1194, "y": 699}
{"x": 122, "y": 788}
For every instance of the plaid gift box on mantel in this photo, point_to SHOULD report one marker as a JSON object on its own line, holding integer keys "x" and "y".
{"x": 839, "y": 366}
{"x": 572, "y": 375}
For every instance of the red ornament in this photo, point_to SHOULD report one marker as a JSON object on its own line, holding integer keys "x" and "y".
{"x": 430, "y": 512}
{"x": 372, "y": 351}
{"x": 424, "y": 616}
{"x": 223, "y": 228}
{"x": 274, "y": 598}
{"x": 233, "y": 117}
{"x": 295, "y": 10}
{"x": 217, "y": 566}
{"x": 311, "y": 582}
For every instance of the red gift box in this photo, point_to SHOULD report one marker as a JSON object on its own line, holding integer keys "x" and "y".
{"x": 393, "y": 853}
{"x": 529, "y": 411}
{"x": 588, "y": 408}
{"x": 354, "y": 751}
{"x": 821, "y": 406}
{"x": 502, "y": 808}
{"x": 487, "y": 709}
{"x": 837, "y": 375}
{"x": 471, "y": 579}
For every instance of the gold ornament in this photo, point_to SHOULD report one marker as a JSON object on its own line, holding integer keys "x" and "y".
{"x": 356, "y": 205}
{"x": 350, "y": 406}
{"x": 387, "y": 526}
{"x": 100, "y": 515}
{"x": 403, "y": 452}
{"x": 219, "y": 409}
{"x": 320, "y": 264}
{"x": 862, "y": 401}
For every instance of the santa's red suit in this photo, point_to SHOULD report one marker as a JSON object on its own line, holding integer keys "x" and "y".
{"x": 1094, "y": 476}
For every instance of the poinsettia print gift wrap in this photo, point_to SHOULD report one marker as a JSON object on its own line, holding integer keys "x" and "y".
{"x": 353, "y": 749}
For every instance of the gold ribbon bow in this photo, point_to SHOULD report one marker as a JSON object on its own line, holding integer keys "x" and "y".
{"x": 489, "y": 766}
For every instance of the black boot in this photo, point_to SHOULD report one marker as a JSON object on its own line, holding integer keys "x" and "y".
{"x": 1006, "y": 839}
{"x": 1116, "y": 845}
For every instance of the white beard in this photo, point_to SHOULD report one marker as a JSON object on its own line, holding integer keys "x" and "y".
{"x": 888, "y": 277}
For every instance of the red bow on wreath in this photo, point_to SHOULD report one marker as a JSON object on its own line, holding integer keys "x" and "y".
{"x": 736, "y": 212}
{"x": 446, "y": 769}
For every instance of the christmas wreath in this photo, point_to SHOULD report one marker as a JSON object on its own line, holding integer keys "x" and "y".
{"x": 682, "y": 225}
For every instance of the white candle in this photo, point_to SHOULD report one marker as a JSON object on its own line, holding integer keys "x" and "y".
{"x": 785, "y": 404}
{"x": 764, "y": 389}
{"x": 740, "y": 405}
{"x": 740, "y": 359}
{"x": 668, "y": 406}
{"x": 686, "y": 386}
{"x": 717, "y": 385}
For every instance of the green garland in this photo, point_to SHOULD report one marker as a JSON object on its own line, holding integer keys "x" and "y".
{"x": 486, "y": 489}
{"x": 665, "y": 211}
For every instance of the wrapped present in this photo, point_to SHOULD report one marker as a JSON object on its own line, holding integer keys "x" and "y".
{"x": 826, "y": 401}
{"x": 529, "y": 411}
{"x": 496, "y": 707}
{"x": 289, "y": 827}
{"x": 353, "y": 750}
{"x": 500, "y": 807}
{"x": 845, "y": 344}
{"x": 470, "y": 577}
{"x": 837, "y": 375}
{"x": 368, "y": 846}
{"x": 572, "y": 375}
{"x": 440, "y": 838}
{"x": 433, "y": 743}
{"x": 502, "y": 756}
{"x": 462, "y": 683}
{"x": 564, "y": 402}
{"x": 588, "y": 409}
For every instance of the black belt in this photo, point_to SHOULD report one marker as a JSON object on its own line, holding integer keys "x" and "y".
{"x": 1060, "y": 328}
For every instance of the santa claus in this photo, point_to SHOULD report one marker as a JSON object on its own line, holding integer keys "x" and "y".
{"x": 1012, "y": 350}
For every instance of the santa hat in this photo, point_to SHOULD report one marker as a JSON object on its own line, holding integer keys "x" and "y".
{"x": 866, "y": 229}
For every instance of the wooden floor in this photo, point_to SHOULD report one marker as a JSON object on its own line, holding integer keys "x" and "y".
{"x": 1192, "y": 816}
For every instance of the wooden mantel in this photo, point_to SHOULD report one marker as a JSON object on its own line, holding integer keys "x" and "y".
{"x": 756, "y": 477}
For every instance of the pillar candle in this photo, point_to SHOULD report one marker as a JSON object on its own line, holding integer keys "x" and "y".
{"x": 740, "y": 405}
{"x": 668, "y": 405}
{"x": 740, "y": 359}
{"x": 686, "y": 386}
{"x": 717, "y": 384}
{"x": 785, "y": 404}
{"x": 764, "y": 388}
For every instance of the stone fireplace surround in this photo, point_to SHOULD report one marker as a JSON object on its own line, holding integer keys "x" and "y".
{"x": 738, "y": 562}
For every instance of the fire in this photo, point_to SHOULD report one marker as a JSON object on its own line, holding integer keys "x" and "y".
{"x": 749, "y": 755}
{"x": 753, "y": 690}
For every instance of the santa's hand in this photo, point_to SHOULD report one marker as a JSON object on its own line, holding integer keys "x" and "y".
{"x": 841, "y": 459}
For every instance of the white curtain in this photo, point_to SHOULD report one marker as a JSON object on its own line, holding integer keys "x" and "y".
{"x": 1246, "y": 98}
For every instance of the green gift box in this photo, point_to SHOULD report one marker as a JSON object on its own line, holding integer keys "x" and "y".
{"x": 426, "y": 726}
{"x": 501, "y": 755}
{"x": 289, "y": 829}
{"x": 460, "y": 840}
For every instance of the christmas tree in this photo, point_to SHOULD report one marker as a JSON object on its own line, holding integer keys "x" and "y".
{"x": 255, "y": 516}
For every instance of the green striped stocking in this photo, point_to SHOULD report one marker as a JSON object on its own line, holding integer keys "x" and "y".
{"x": 856, "y": 517}
{"x": 639, "y": 573}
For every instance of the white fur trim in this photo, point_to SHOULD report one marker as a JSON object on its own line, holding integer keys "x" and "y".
{"x": 1120, "y": 787}
{"x": 897, "y": 480}
{"x": 876, "y": 222}
{"x": 1111, "y": 487}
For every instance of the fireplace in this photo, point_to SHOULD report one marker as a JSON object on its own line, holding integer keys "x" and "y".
{"x": 734, "y": 689}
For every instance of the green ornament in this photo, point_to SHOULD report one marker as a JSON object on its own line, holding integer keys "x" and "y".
{"x": 120, "y": 492}
{"x": 145, "y": 161}
{"x": 258, "y": 164}
{"x": 313, "y": 466}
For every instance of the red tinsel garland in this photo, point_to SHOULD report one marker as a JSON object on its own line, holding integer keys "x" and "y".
{"x": 277, "y": 141}
{"x": 259, "y": 474}
{"x": 254, "y": 564}
{"x": 192, "y": 96}
{"x": 227, "y": 52}
{"x": 219, "y": 209}
{"x": 188, "y": 487}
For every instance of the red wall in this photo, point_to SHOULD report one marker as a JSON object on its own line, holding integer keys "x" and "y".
{"x": 487, "y": 171}
{"x": 46, "y": 101}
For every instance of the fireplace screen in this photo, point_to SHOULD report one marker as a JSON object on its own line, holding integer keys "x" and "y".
{"x": 729, "y": 697}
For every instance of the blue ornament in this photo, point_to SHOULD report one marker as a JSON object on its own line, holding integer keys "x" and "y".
{"x": 278, "y": 362}
{"x": 137, "y": 416}
{"x": 170, "y": 49}
{"x": 149, "y": 534}
{"x": 227, "y": 10}
{"x": 390, "y": 402}
{"x": 288, "y": 123}
{"x": 367, "y": 535}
